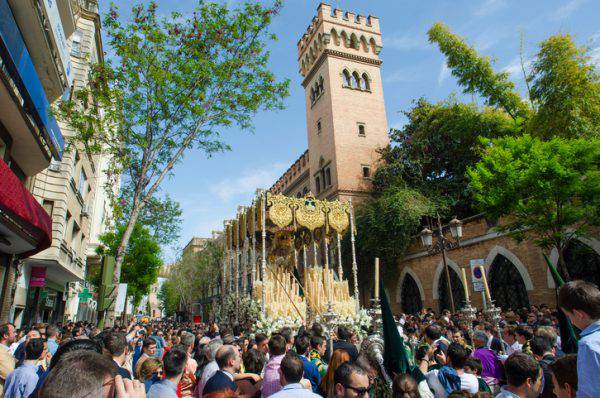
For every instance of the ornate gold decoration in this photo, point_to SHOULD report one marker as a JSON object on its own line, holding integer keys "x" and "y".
{"x": 280, "y": 210}
{"x": 338, "y": 216}
{"x": 310, "y": 213}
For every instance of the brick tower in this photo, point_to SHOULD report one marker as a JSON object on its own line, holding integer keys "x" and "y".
{"x": 338, "y": 57}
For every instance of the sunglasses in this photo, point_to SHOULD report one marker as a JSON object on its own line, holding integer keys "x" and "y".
{"x": 360, "y": 391}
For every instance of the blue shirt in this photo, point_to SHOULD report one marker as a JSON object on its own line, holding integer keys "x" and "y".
{"x": 295, "y": 390}
{"x": 311, "y": 373}
{"x": 52, "y": 346}
{"x": 162, "y": 389}
{"x": 588, "y": 362}
{"x": 21, "y": 382}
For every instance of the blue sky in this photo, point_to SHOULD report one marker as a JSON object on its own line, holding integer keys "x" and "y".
{"x": 210, "y": 190}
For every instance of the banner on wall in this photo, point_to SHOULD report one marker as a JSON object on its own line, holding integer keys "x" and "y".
{"x": 38, "y": 277}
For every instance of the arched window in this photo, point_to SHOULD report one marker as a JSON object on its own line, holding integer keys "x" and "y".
{"x": 458, "y": 292}
{"x": 582, "y": 262}
{"x": 347, "y": 80}
{"x": 410, "y": 297}
{"x": 321, "y": 84}
{"x": 355, "y": 80}
{"x": 318, "y": 184}
{"x": 317, "y": 91}
{"x": 312, "y": 95}
{"x": 364, "y": 84}
{"x": 506, "y": 285}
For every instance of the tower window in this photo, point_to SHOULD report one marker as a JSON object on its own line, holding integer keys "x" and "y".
{"x": 355, "y": 80}
{"x": 347, "y": 79}
{"x": 361, "y": 130}
{"x": 318, "y": 184}
{"x": 364, "y": 84}
{"x": 328, "y": 177}
{"x": 319, "y": 127}
{"x": 366, "y": 171}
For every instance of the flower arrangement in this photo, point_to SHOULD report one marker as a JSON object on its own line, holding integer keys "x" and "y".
{"x": 242, "y": 310}
{"x": 358, "y": 323}
{"x": 269, "y": 326}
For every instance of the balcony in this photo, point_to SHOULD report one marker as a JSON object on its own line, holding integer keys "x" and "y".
{"x": 42, "y": 29}
{"x": 24, "y": 107}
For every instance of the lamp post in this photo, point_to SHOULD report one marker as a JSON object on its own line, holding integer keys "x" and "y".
{"x": 441, "y": 245}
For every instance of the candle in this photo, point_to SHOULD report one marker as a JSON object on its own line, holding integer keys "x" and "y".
{"x": 464, "y": 278}
{"x": 376, "y": 277}
{"x": 485, "y": 284}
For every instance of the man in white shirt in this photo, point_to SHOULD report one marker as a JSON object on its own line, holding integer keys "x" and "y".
{"x": 211, "y": 368}
{"x": 510, "y": 338}
{"x": 451, "y": 376}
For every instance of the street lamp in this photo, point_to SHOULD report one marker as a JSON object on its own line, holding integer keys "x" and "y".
{"x": 441, "y": 245}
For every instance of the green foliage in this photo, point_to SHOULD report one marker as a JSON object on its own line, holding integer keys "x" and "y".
{"x": 142, "y": 260}
{"x": 432, "y": 151}
{"x": 549, "y": 191}
{"x": 173, "y": 83}
{"x": 566, "y": 91}
{"x": 475, "y": 73}
{"x": 195, "y": 274}
{"x": 168, "y": 298}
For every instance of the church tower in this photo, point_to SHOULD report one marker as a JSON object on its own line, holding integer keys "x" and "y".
{"x": 338, "y": 57}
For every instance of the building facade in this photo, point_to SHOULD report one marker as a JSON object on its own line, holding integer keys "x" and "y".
{"x": 338, "y": 57}
{"x": 35, "y": 70}
{"x": 72, "y": 193}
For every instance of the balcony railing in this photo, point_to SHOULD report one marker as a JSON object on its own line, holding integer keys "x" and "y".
{"x": 17, "y": 61}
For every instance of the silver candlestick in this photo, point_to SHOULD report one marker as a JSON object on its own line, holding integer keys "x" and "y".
{"x": 330, "y": 316}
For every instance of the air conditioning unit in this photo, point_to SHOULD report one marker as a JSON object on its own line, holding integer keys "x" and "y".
{"x": 54, "y": 165}
{"x": 85, "y": 210}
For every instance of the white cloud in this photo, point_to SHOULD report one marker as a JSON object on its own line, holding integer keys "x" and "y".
{"x": 489, "y": 7}
{"x": 444, "y": 73}
{"x": 246, "y": 184}
{"x": 514, "y": 68}
{"x": 406, "y": 41}
{"x": 567, "y": 9}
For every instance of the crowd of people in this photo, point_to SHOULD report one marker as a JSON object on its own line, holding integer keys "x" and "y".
{"x": 522, "y": 357}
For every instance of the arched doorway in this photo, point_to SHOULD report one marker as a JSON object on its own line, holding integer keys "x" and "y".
{"x": 582, "y": 262}
{"x": 506, "y": 284}
{"x": 458, "y": 292}
{"x": 410, "y": 296}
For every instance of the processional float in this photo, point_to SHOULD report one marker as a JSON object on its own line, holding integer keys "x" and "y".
{"x": 286, "y": 253}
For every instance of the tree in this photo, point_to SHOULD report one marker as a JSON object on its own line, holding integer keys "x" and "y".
{"x": 175, "y": 83}
{"x": 431, "y": 153}
{"x": 565, "y": 90}
{"x": 141, "y": 262}
{"x": 168, "y": 297}
{"x": 548, "y": 191}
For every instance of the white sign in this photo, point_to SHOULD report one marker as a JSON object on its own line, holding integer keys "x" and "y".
{"x": 476, "y": 275}
{"x": 59, "y": 37}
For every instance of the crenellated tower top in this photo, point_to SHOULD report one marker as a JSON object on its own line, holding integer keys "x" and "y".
{"x": 335, "y": 30}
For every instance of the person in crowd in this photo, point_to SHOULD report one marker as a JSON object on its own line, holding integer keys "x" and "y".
{"x": 51, "y": 339}
{"x": 492, "y": 368}
{"x": 148, "y": 351}
{"x": 580, "y": 301}
{"x": 564, "y": 376}
{"x": 350, "y": 381}
{"x": 115, "y": 343}
{"x": 173, "y": 367}
{"x": 228, "y": 359}
{"x": 151, "y": 372}
{"x": 291, "y": 370}
{"x": 543, "y": 352}
{"x": 493, "y": 342}
{"x": 473, "y": 366}
{"x": 254, "y": 361}
{"x": 451, "y": 376}
{"x": 20, "y": 351}
{"x": 509, "y": 336}
{"x": 433, "y": 336}
{"x": 318, "y": 346}
{"x": 524, "y": 336}
{"x": 23, "y": 380}
{"x": 212, "y": 367}
{"x": 188, "y": 381}
{"x": 405, "y": 386}
{"x": 262, "y": 343}
{"x": 523, "y": 375}
{"x": 327, "y": 386}
{"x": 344, "y": 335}
{"x": 7, "y": 361}
{"x": 311, "y": 372}
{"x": 271, "y": 380}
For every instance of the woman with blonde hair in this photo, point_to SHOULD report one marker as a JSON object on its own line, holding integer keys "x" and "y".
{"x": 150, "y": 372}
{"x": 327, "y": 386}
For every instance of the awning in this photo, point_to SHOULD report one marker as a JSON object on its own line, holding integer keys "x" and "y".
{"x": 25, "y": 227}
